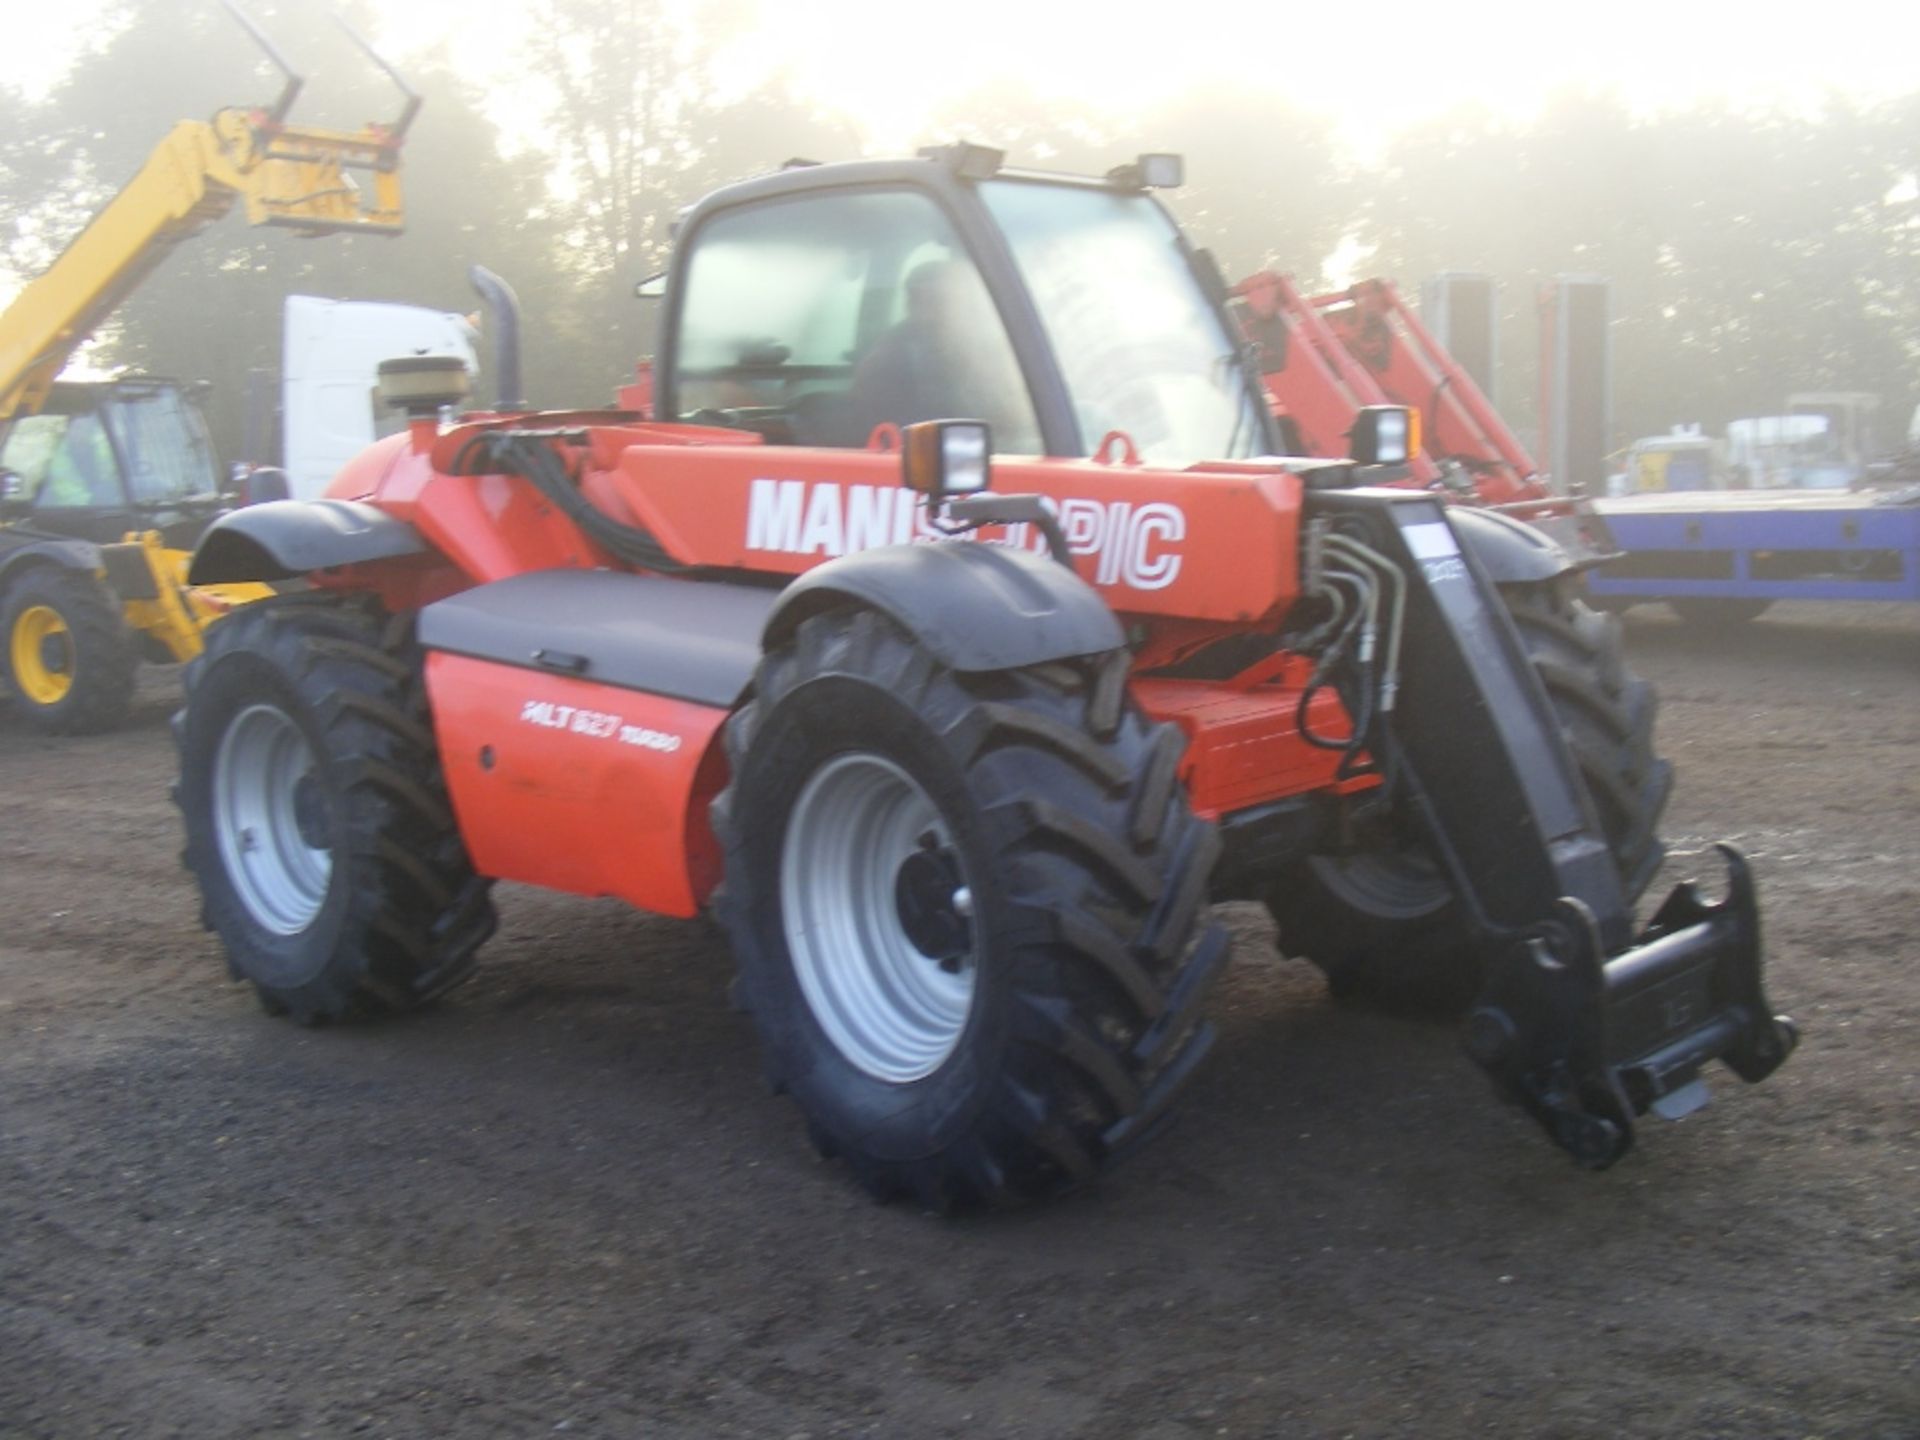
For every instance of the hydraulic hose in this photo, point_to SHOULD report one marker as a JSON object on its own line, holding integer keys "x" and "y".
{"x": 1397, "y": 602}
{"x": 519, "y": 452}
{"x": 1332, "y": 661}
{"x": 1368, "y": 680}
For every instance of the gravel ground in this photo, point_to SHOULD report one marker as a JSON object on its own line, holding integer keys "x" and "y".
{"x": 562, "y": 1201}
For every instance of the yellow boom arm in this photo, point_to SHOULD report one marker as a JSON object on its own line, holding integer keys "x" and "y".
{"x": 286, "y": 174}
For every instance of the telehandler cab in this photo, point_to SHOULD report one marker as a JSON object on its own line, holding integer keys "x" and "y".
{"x": 956, "y": 635}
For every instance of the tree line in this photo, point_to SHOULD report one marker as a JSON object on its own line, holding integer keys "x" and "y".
{"x": 1750, "y": 254}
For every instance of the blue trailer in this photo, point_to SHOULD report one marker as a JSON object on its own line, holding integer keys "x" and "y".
{"x": 1728, "y": 554}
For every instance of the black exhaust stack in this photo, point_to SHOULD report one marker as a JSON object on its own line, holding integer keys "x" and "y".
{"x": 505, "y": 308}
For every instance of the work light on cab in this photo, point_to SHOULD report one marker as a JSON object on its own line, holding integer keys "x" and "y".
{"x": 966, "y": 159}
{"x": 941, "y": 458}
{"x": 1155, "y": 171}
{"x": 1384, "y": 435}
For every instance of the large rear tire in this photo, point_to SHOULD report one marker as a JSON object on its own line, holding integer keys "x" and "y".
{"x": 1381, "y": 923}
{"x": 69, "y": 660}
{"x": 970, "y": 911}
{"x": 317, "y": 820}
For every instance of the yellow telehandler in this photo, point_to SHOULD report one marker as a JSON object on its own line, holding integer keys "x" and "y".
{"x": 105, "y": 486}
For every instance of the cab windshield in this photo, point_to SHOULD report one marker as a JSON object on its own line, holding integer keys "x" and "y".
{"x": 164, "y": 441}
{"x": 1138, "y": 345}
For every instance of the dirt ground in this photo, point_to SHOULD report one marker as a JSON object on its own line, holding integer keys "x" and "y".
{"x": 562, "y": 1201}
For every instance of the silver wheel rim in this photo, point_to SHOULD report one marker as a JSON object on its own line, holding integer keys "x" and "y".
{"x": 887, "y": 1005}
{"x": 279, "y": 877}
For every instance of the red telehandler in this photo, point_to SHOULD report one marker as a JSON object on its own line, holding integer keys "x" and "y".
{"x": 956, "y": 724}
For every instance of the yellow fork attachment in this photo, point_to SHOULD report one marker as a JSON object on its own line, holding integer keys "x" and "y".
{"x": 151, "y": 580}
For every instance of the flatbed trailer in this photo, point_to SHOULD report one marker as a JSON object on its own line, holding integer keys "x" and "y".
{"x": 1742, "y": 549}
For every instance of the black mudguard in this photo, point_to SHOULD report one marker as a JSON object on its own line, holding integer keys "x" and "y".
{"x": 686, "y": 639}
{"x": 1510, "y": 551}
{"x": 281, "y": 539}
{"x": 20, "y": 548}
{"x": 974, "y": 606}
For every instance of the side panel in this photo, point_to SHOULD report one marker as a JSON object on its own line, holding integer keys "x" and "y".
{"x": 1207, "y": 545}
{"x": 579, "y": 787}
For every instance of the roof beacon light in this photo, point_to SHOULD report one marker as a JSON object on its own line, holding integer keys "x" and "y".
{"x": 966, "y": 159}
{"x": 1154, "y": 171}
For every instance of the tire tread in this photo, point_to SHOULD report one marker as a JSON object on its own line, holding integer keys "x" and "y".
{"x": 1107, "y": 939}
{"x": 105, "y": 665}
{"x": 415, "y": 911}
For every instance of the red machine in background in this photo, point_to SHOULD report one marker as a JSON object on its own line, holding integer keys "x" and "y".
{"x": 1324, "y": 358}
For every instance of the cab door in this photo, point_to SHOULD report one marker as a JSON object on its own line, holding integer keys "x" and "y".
{"x": 68, "y": 471}
{"x": 816, "y": 318}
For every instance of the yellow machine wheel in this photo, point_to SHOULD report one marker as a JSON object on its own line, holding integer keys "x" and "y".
{"x": 40, "y": 650}
{"x": 69, "y": 660}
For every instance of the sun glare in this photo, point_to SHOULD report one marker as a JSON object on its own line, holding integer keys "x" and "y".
{"x": 891, "y": 64}
{"x": 1374, "y": 70}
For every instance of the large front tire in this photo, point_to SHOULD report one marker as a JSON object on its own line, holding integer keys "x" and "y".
{"x": 69, "y": 660}
{"x": 970, "y": 911}
{"x": 1380, "y": 921}
{"x": 317, "y": 821}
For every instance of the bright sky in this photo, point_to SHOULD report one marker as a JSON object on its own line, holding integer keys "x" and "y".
{"x": 1375, "y": 67}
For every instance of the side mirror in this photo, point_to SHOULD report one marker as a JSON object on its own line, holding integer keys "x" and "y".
{"x": 1384, "y": 435}
{"x": 14, "y": 499}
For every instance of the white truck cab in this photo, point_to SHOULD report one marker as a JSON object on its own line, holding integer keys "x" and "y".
{"x": 329, "y": 366}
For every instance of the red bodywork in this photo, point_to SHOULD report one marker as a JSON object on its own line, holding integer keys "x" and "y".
{"x": 584, "y": 787}
{"x": 580, "y": 786}
{"x": 562, "y": 801}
